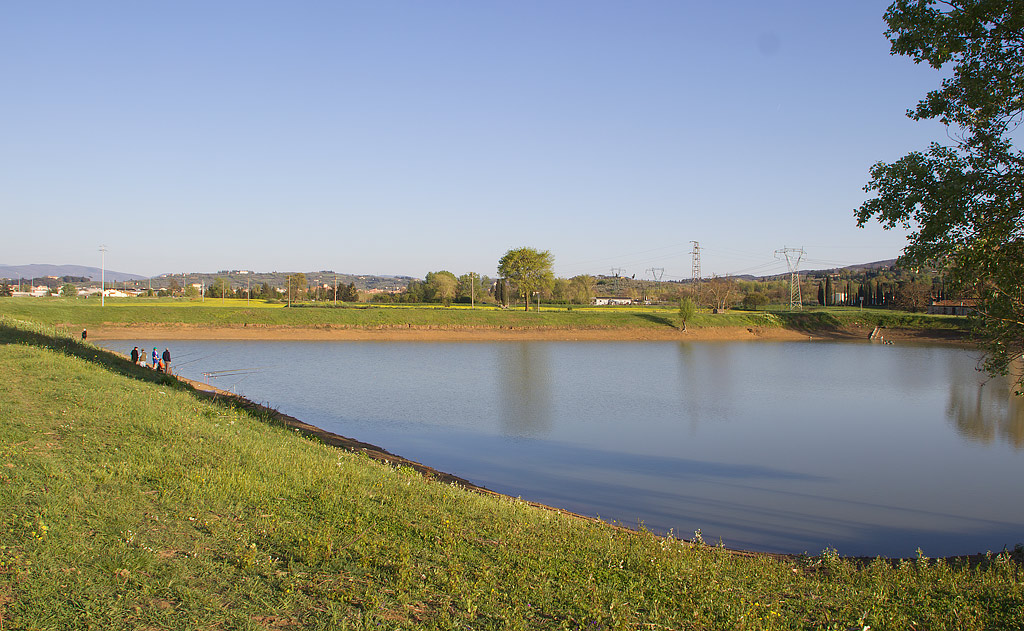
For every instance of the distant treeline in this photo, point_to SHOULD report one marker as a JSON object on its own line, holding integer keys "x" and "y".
{"x": 886, "y": 287}
{"x": 47, "y": 281}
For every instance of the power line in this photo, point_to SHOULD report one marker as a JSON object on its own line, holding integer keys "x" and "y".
{"x": 577, "y": 264}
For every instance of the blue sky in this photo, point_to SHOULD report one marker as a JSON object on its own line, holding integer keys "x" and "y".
{"x": 403, "y": 137}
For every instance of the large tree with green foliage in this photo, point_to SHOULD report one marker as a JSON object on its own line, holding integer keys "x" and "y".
{"x": 963, "y": 202}
{"x": 754, "y": 300}
{"x": 441, "y": 286}
{"x": 528, "y": 270}
{"x": 219, "y": 288}
{"x": 581, "y": 288}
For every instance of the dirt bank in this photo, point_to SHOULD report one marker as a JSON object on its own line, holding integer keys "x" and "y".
{"x": 486, "y": 334}
{"x": 413, "y": 334}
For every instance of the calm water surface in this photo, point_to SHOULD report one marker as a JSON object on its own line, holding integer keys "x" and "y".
{"x": 788, "y": 447}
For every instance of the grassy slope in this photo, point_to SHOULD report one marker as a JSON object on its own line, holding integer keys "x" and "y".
{"x": 126, "y": 502}
{"x": 833, "y": 317}
{"x": 87, "y": 313}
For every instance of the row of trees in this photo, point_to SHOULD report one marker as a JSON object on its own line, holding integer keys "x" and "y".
{"x": 296, "y": 289}
{"x": 890, "y": 288}
{"x": 445, "y": 287}
{"x": 908, "y": 295}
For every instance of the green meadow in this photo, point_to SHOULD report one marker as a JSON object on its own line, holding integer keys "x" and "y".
{"x": 128, "y": 501}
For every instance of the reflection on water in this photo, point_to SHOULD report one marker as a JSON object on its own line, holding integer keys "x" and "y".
{"x": 987, "y": 412}
{"x": 699, "y": 377}
{"x": 785, "y": 447}
{"x": 524, "y": 377}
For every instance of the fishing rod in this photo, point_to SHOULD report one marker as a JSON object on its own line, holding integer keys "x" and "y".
{"x": 188, "y": 354}
{"x": 192, "y": 361}
{"x": 232, "y": 387}
{"x": 230, "y": 372}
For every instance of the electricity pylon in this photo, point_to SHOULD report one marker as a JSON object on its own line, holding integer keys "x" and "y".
{"x": 793, "y": 256}
{"x": 103, "y": 267}
{"x": 616, "y": 272}
{"x": 656, "y": 274}
{"x": 695, "y": 273}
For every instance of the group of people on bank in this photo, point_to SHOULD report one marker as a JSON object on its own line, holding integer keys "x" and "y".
{"x": 162, "y": 363}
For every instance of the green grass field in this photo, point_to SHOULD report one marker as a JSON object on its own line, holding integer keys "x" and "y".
{"x": 75, "y": 314}
{"x": 129, "y": 502}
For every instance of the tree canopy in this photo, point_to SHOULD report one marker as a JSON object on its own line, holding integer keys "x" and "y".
{"x": 963, "y": 202}
{"x": 441, "y": 286}
{"x": 528, "y": 270}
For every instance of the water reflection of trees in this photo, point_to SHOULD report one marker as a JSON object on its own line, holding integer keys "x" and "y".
{"x": 987, "y": 412}
{"x": 525, "y": 377}
{"x": 707, "y": 381}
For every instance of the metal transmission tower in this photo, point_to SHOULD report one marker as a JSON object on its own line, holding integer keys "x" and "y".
{"x": 695, "y": 273}
{"x": 656, "y": 274}
{"x": 103, "y": 267}
{"x": 793, "y": 256}
{"x": 616, "y": 272}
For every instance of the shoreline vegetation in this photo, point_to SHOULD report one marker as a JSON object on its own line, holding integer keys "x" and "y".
{"x": 131, "y": 499}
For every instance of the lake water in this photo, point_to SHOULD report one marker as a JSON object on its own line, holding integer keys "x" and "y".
{"x": 786, "y": 447}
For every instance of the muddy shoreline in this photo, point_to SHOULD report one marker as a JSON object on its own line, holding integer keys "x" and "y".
{"x": 490, "y": 334}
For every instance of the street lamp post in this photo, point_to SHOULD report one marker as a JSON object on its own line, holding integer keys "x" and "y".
{"x": 103, "y": 266}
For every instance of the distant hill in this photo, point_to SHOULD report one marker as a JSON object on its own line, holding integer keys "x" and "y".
{"x": 42, "y": 270}
{"x": 875, "y": 265}
{"x": 859, "y": 267}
